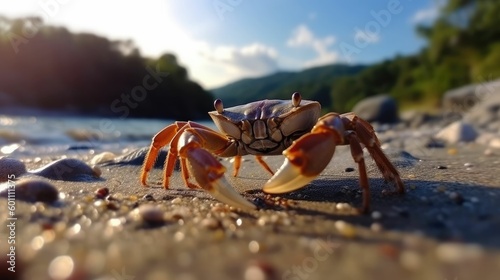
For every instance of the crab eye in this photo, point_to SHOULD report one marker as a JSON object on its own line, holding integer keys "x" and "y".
{"x": 219, "y": 107}
{"x": 296, "y": 98}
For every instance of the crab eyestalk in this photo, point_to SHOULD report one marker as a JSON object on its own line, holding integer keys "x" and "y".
{"x": 296, "y": 98}
{"x": 219, "y": 107}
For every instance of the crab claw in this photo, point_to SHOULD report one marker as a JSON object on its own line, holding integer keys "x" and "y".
{"x": 209, "y": 174}
{"x": 305, "y": 159}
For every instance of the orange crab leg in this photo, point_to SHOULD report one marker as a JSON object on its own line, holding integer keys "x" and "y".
{"x": 237, "y": 165}
{"x": 264, "y": 164}
{"x": 160, "y": 140}
{"x": 357, "y": 155}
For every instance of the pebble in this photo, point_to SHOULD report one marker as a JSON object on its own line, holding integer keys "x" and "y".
{"x": 349, "y": 169}
{"x": 345, "y": 229}
{"x": 32, "y": 190}
{"x": 102, "y": 157}
{"x": 253, "y": 246}
{"x": 101, "y": 193}
{"x": 441, "y": 167}
{"x": 9, "y": 167}
{"x": 495, "y": 143}
{"x": 211, "y": 223}
{"x": 260, "y": 270}
{"x": 67, "y": 169}
{"x": 457, "y": 132}
{"x": 376, "y": 215}
{"x": 176, "y": 200}
{"x": 151, "y": 214}
{"x": 453, "y": 253}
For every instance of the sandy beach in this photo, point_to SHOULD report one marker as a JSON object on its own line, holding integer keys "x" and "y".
{"x": 445, "y": 227}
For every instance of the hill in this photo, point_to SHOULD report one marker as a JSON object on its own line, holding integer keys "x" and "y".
{"x": 314, "y": 83}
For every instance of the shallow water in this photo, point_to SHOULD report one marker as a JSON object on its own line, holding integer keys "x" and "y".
{"x": 46, "y": 135}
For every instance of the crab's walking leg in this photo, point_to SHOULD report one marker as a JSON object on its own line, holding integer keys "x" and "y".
{"x": 237, "y": 165}
{"x": 357, "y": 155}
{"x": 366, "y": 135}
{"x": 160, "y": 140}
{"x": 264, "y": 164}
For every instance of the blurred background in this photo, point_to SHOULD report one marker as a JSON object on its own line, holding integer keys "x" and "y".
{"x": 171, "y": 59}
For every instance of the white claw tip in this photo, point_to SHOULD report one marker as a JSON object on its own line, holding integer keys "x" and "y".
{"x": 288, "y": 178}
{"x": 223, "y": 192}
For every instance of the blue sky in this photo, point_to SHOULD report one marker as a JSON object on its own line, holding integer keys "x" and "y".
{"x": 220, "y": 41}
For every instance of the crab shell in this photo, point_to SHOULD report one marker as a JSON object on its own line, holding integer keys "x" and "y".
{"x": 265, "y": 127}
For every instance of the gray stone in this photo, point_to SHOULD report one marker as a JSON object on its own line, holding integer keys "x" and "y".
{"x": 380, "y": 108}
{"x": 486, "y": 113}
{"x": 30, "y": 190}
{"x": 457, "y": 132}
{"x": 463, "y": 98}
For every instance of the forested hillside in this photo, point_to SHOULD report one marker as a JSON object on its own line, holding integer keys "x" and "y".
{"x": 313, "y": 83}
{"x": 51, "y": 68}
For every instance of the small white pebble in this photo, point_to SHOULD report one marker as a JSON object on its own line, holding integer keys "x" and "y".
{"x": 376, "y": 215}
{"x": 102, "y": 157}
{"x": 176, "y": 200}
{"x": 253, "y": 246}
{"x": 345, "y": 229}
{"x": 468, "y": 164}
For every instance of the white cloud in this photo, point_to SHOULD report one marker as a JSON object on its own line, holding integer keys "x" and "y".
{"x": 302, "y": 36}
{"x": 251, "y": 60}
{"x": 362, "y": 36}
{"x": 428, "y": 14}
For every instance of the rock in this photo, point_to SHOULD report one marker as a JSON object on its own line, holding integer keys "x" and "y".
{"x": 460, "y": 99}
{"x": 486, "y": 113}
{"x": 137, "y": 157}
{"x": 68, "y": 169}
{"x": 30, "y": 191}
{"x": 102, "y": 158}
{"x": 415, "y": 119}
{"x": 495, "y": 143}
{"x": 457, "y": 132}
{"x": 381, "y": 108}
{"x": 11, "y": 168}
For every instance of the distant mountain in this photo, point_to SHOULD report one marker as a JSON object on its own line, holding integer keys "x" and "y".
{"x": 313, "y": 83}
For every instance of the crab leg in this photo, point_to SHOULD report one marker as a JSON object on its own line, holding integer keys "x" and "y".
{"x": 366, "y": 135}
{"x": 357, "y": 155}
{"x": 160, "y": 140}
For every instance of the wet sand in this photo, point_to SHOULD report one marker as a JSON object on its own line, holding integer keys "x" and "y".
{"x": 446, "y": 226}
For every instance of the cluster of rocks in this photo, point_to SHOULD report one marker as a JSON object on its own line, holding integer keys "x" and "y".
{"x": 468, "y": 114}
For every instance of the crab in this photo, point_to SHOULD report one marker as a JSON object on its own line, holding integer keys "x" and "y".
{"x": 293, "y": 128}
